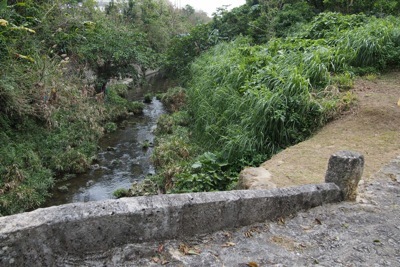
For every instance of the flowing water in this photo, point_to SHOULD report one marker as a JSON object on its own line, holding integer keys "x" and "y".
{"x": 124, "y": 156}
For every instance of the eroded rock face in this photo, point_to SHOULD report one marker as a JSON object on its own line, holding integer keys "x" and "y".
{"x": 255, "y": 178}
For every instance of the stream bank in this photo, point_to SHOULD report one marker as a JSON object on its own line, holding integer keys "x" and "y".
{"x": 123, "y": 157}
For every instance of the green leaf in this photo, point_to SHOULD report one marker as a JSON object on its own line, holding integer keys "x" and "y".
{"x": 3, "y": 4}
{"x": 197, "y": 165}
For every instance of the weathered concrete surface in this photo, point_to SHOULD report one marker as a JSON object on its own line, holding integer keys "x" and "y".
{"x": 363, "y": 233}
{"x": 77, "y": 232}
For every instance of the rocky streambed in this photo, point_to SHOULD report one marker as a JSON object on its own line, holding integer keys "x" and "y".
{"x": 124, "y": 156}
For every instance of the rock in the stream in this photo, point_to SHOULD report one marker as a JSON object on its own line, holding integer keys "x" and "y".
{"x": 94, "y": 167}
{"x": 255, "y": 178}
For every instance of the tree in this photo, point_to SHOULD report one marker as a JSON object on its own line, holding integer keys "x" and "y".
{"x": 112, "y": 50}
{"x": 188, "y": 10}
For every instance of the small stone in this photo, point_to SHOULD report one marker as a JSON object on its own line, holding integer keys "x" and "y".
{"x": 11, "y": 261}
{"x": 63, "y": 189}
{"x": 115, "y": 162}
{"x": 95, "y": 167}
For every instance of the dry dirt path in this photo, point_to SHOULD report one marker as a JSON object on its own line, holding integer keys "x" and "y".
{"x": 372, "y": 128}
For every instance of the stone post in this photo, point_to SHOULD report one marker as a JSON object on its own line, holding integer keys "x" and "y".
{"x": 345, "y": 169}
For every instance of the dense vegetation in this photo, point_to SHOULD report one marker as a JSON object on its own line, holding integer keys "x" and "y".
{"x": 255, "y": 80}
{"x": 57, "y": 58}
{"x": 257, "y": 94}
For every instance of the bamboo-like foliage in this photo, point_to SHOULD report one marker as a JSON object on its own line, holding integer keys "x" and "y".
{"x": 247, "y": 100}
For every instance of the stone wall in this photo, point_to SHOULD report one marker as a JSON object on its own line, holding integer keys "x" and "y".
{"x": 40, "y": 237}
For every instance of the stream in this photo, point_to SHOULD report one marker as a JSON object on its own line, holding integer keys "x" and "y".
{"x": 122, "y": 159}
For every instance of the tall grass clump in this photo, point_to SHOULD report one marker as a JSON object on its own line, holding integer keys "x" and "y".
{"x": 376, "y": 44}
{"x": 251, "y": 100}
{"x": 248, "y": 100}
{"x": 367, "y": 44}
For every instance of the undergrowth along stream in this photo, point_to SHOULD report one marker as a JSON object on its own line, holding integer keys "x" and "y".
{"x": 37, "y": 153}
{"x": 124, "y": 153}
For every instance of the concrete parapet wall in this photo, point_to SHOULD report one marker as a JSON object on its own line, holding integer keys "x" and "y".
{"x": 40, "y": 237}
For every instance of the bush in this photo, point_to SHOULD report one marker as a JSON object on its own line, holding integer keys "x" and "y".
{"x": 110, "y": 127}
{"x": 135, "y": 107}
{"x": 148, "y": 98}
{"x": 174, "y": 99}
{"x": 244, "y": 111}
{"x": 122, "y": 192}
{"x": 330, "y": 24}
{"x": 207, "y": 173}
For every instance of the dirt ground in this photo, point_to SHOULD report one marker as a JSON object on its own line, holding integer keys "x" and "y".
{"x": 372, "y": 129}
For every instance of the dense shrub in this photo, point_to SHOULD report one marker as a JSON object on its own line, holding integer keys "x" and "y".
{"x": 329, "y": 24}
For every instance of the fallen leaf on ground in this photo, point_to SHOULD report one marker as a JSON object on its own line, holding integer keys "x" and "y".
{"x": 228, "y": 235}
{"x": 255, "y": 229}
{"x": 193, "y": 252}
{"x": 281, "y": 221}
{"x": 159, "y": 261}
{"x": 160, "y": 248}
{"x": 252, "y": 264}
{"x": 306, "y": 228}
{"x": 228, "y": 244}
{"x": 186, "y": 250}
{"x": 318, "y": 221}
{"x": 183, "y": 248}
{"x": 248, "y": 234}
